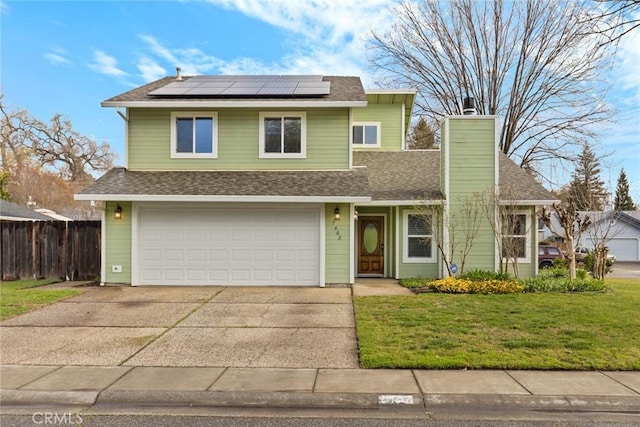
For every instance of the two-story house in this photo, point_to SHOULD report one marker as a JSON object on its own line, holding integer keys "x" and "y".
{"x": 289, "y": 180}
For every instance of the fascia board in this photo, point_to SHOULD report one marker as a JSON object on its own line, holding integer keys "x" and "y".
{"x": 219, "y": 198}
{"x": 407, "y": 91}
{"x": 527, "y": 202}
{"x": 233, "y": 104}
{"x": 402, "y": 203}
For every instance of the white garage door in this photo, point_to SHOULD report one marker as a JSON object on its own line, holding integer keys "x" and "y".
{"x": 624, "y": 249}
{"x": 222, "y": 246}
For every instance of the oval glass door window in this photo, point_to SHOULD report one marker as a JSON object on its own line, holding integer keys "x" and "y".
{"x": 370, "y": 238}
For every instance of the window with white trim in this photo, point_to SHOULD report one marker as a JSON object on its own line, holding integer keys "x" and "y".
{"x": 283, "y": 134}
{"x": 366, "y": 134}
{"x": 194, "y": 134}
{"x": 516, "y": 238}
{"x": 418, "y": 238}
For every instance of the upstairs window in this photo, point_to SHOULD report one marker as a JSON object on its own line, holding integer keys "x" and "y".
{"x": 283, "y": 135}
{"x": 194, "y": 134}
{"x": 366, "y": 134}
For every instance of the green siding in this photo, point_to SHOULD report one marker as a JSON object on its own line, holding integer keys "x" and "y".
{"x": 472, "y": 152}
{"x": 425, "y": 269}
{"x": 149, "y": 142}
{"x": 337, "y": 244}
{"x": 390, "y": 118}
{"x": 118, "y": 243}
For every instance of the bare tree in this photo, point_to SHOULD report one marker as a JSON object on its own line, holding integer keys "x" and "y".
{"x": 571, "y": 223}
{"x": 55, "y": 145}
{"x": 615, "y": 18}
{"x": 454, "y": 232}
{"x": 508, "y": 224}
{"x": 601, "y": 230}
{"x": 535, "y": 63}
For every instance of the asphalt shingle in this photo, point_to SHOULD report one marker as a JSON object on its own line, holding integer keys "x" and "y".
{"x": 347, "y": 183}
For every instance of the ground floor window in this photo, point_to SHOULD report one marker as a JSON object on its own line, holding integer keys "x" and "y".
{"x": 418, "y": 238}
{"x": 516, "y": 236}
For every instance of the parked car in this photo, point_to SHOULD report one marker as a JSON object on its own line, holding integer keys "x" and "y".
{"x": 583, "y": 251}
{"x": 546, "y": 255}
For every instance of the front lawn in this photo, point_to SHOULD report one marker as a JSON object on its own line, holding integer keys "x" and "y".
{"x": 577, "y": 331}
{"x": 20, "y": 296}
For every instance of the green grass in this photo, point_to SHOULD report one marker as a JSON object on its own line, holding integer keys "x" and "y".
{"x": 20, "y": 296}
{"x": 575, "y": 331}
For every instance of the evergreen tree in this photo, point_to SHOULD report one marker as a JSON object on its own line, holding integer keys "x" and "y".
{"x": 421, "y": 136}
{"x": 623, "y": 201}
{"x": 586, "y": 187}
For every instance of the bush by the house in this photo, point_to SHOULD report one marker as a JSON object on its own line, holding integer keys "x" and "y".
{"x": 557, "y": 280}
{"x": 414, "y": 282}
{"x": 453, "y": 285}
{"x": 484, "y": 275}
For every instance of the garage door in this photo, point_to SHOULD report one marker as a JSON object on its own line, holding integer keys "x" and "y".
{"x": 222, "y": 246}
{"x": 623, "y": 249}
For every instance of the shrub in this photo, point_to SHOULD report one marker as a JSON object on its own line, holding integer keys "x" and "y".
{"x": 414, "y": 282}
{"x": 454, "y": 285}
{"x": 483, "y": 275}
{"x": 583, "y": 283}
{"x": 589, "y": 260}
{"x": 561, "y": 263}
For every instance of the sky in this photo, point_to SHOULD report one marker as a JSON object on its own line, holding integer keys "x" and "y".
{"x": 68, "y": 56}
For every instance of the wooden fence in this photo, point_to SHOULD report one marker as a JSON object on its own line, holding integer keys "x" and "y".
{"x": 50, "y": 249}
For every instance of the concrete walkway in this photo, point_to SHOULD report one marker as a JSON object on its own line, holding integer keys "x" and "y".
{"x": 122, "y": 346}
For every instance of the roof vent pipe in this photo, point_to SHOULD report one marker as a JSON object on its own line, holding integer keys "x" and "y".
{"x": 469, "y": 106}
{"x": 178, "y": 73}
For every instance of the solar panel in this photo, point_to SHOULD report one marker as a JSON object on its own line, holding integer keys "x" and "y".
{"x": 303, "y": 85}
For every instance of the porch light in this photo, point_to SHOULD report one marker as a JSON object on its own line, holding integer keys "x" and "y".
{"x": 355, "y": 213}
{"x": 117, "y": 214}
{"x": 336, "y": 213}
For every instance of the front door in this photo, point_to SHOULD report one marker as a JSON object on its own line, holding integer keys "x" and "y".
{"x": 371, "y": 246}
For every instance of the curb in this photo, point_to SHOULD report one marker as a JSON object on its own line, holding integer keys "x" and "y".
{"x": 316, "y": 400}
{"x": 569, "y": 403}
{"x": 47, "y": 397}
{"x": 259, "y": 399}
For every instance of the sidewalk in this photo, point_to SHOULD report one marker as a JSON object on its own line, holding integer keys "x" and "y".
{"x": 95, "y": 386}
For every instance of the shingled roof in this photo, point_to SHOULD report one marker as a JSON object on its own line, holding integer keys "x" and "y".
{"x": 343, "y": 90}
{"x": 415, "y": 175}
{"x": 393, "y": 176}
{"x": 121, "y": 184}
{"x": 401, "y": 175}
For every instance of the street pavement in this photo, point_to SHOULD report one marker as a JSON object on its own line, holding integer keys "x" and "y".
{"x": 251, "y": 347}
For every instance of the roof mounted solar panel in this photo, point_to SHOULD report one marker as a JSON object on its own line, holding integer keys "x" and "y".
{"x": 246, "y": 86}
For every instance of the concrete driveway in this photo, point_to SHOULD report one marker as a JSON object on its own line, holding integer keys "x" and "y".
{"x": 188, "y": 326}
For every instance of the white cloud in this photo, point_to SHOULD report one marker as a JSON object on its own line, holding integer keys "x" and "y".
{"x": 192, "y": 61}
{"x": 56, "y": 59}
{"x": 105, "y": 64}
{"x": 329, "y": 35}
{"x": 150, "y": 70}
{"x": 332, "y": 21}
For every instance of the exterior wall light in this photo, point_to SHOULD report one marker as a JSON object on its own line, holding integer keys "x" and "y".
{"x": 117, "y": 214}
{"x": 336, "y": 213}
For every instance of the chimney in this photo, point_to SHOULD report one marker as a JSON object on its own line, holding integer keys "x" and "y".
{"x": 178, "y": 74}
{"x": 469, "y": 106}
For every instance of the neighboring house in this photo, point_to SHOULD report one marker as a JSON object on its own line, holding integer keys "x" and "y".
{"x": 53, "y": 215}
{"x": 619, "y": 230}
{"x": 10, "y": 211}
{"x": 291, "y": 180}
